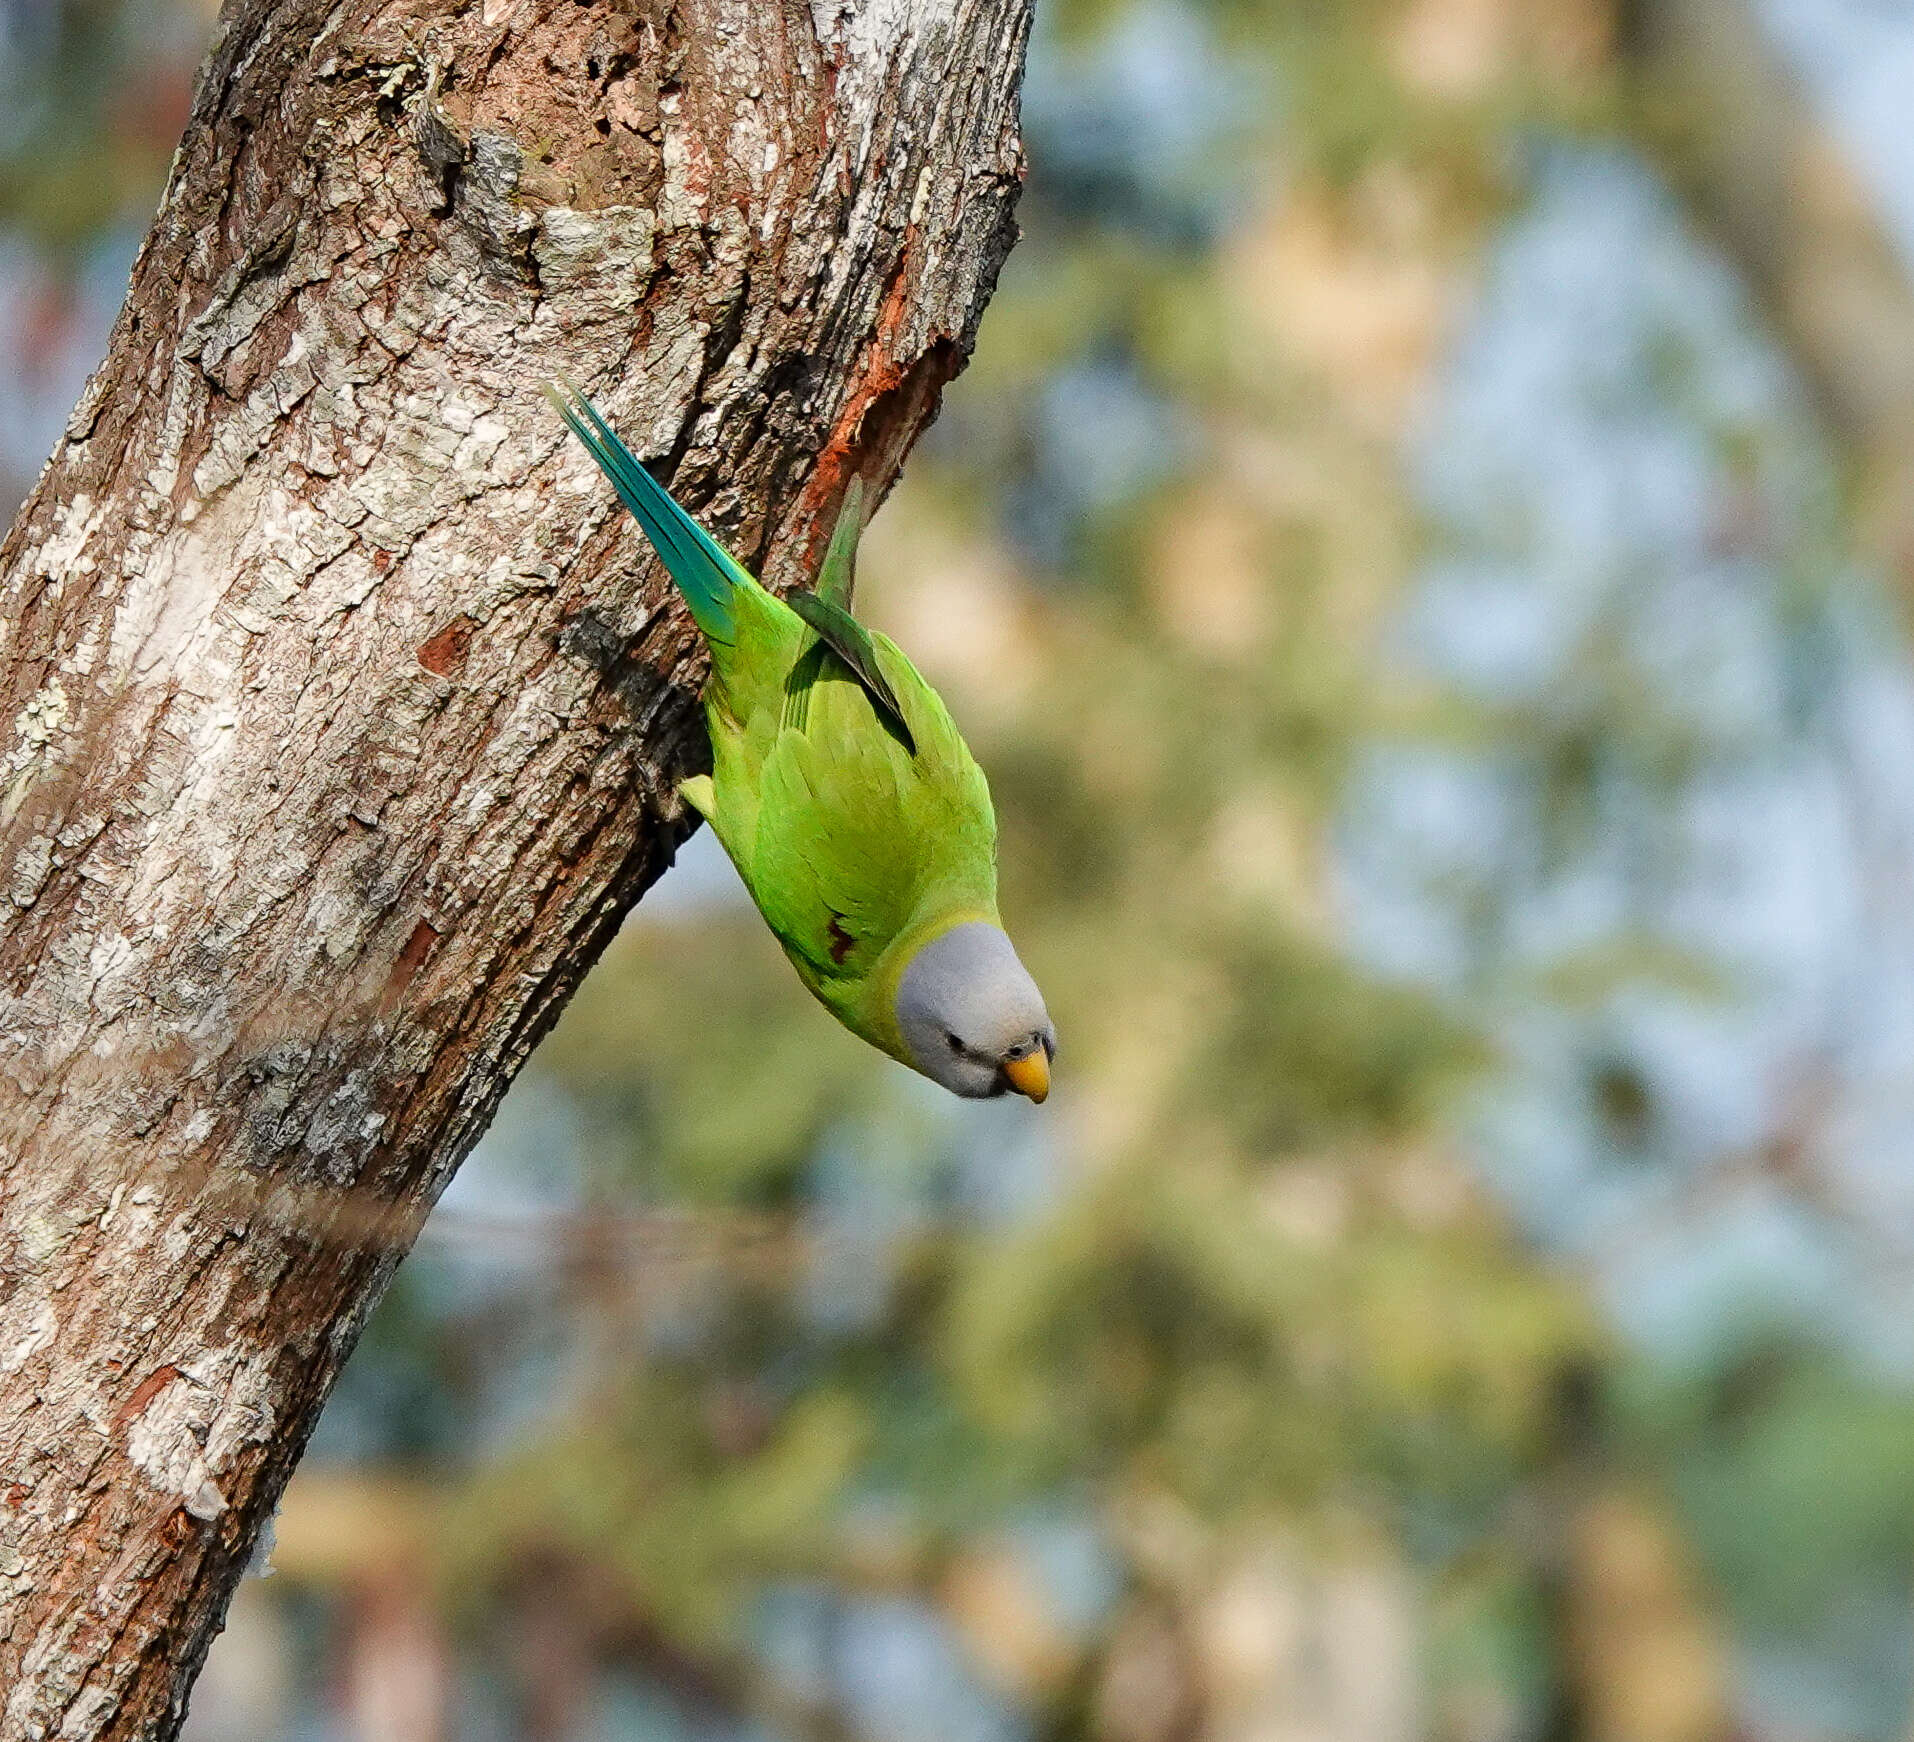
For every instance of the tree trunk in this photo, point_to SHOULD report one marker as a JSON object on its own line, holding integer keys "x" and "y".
{"x": 1762, "y": 167}
{"x": 341, "y": 711}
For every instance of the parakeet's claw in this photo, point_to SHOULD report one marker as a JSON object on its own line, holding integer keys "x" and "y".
{"x": 698, "y": 791}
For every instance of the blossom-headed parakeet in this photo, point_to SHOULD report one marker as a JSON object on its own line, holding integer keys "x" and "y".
{"x": 855, "y": 814}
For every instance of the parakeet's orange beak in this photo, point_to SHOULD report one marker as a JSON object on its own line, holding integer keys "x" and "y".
{"x": 1030, "y": 1075}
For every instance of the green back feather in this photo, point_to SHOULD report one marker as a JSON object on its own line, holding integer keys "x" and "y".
{"x": 810, "y": 667}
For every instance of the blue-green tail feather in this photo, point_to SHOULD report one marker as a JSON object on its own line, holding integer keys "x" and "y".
{"x": 703, "y": 572}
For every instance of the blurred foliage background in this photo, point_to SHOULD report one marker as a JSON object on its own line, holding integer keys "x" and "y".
{"x": 1423, "y": 552}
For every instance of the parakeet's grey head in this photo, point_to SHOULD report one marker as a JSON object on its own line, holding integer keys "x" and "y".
{"x": 973, "y": 1019}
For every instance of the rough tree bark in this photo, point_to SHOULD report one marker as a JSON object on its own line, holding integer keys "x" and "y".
{"x": 340, "y": 713}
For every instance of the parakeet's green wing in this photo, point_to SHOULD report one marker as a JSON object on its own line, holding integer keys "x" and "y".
{"x": 856, "y": 837}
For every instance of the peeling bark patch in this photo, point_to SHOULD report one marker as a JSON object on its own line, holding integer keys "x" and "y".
{"x": 194, "y": 1422}
{"x": 42, "y": 1328}
{"x": 417, "y": 947}
{"x": 35, "y": 729}
{"x": 148, "y": 1388}
{"x": 447, "y": 651}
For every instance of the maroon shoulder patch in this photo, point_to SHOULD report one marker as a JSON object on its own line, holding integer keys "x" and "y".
{"x": 842, "y": 943}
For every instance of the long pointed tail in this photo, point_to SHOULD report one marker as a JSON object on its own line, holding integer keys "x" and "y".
{"x": 704, "y": 573}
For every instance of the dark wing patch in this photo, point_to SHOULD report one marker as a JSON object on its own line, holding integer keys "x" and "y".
{"x": 842, "y": 943}
{"x": 844, "y": 636}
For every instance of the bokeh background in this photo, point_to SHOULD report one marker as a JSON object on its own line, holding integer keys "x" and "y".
{"x": 1424, "y": 550}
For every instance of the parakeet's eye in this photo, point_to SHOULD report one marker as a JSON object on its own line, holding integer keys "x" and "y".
{"x": 951, "y": 1041}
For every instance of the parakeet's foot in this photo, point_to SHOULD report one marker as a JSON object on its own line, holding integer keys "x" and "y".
{"x": 700, "y": 794}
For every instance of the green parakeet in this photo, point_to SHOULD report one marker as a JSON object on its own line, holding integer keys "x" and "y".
{"x": 853, "y": 810}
